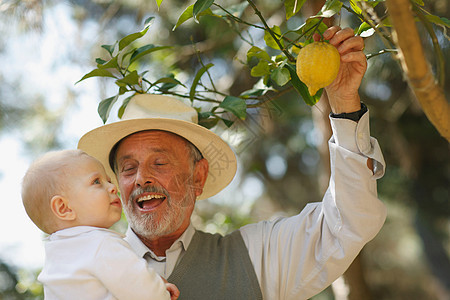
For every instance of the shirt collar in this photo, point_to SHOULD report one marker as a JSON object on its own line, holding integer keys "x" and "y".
{"x": 77, "y": 230}
{"x": 141, "y": 249}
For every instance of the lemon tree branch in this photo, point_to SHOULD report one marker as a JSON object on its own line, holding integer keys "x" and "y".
{"x": 258, "y": 13}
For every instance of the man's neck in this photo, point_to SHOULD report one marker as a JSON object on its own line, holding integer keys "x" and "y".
{"x": 160, "y": 244}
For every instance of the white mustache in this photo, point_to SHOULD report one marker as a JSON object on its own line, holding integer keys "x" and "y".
{"x": 149, "y": 189}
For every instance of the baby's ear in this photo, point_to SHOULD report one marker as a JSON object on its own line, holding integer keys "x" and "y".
{"x": 61, "y": 209}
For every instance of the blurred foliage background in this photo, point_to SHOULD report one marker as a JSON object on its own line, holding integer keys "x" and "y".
{"x": 278, "y": 145}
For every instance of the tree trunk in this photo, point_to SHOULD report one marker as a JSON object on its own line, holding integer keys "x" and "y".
{"x": 420, "y": 77}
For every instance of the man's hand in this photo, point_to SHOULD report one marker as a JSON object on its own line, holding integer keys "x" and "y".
{"x": 343, "y": 91}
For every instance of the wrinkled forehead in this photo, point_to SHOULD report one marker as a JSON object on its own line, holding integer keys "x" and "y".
{"x": 142, "y": 134}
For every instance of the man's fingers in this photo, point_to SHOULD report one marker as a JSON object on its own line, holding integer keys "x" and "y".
{"x": 357, "y": 57}
{"x": 316, "y": 37}
{"x": 343, "y": 39}
{"x": 341, "y": 36}
{"x": 330, "y": 32}
{"x": 354, "y": 43}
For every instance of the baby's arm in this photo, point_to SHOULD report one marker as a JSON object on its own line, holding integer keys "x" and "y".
{"x": 126, "y": 275}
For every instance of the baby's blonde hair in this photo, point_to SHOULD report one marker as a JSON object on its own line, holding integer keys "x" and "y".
{"x": 45, "y": 178}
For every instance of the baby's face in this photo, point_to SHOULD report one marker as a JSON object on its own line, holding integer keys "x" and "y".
{"x": 92, "y": 195}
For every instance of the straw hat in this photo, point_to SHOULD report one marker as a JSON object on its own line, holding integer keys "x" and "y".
{"x": 158, "y": 112}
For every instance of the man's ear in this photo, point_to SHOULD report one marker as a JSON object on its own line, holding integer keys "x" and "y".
{"x": 61, "y": 209}
{"x": 200, "y": 175}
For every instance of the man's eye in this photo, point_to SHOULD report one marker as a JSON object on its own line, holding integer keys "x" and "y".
{"x": 96, "y": 181}
{"x": 161, "y": 162}
{"x": 128, "y": 168}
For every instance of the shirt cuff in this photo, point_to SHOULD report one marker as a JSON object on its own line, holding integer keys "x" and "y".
{"x": 355, "y": 137}
{"x": 355, "y": 116}
{"x": 344, "y": 133}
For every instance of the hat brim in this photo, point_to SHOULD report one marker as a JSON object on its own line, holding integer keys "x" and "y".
{"x": 221, "y": 158}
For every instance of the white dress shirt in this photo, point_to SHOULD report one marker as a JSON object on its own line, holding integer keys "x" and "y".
{"x": 298, "y": 256}
{"x": 86, "y": 263}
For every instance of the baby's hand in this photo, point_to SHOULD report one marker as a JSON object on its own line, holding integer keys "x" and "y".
{"x": 173, "y": 290}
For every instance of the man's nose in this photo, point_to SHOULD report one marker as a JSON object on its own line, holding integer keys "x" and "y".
{"x": 144, "y": 177}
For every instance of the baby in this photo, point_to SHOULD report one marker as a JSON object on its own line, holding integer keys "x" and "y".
{"x": 68, "y": 195}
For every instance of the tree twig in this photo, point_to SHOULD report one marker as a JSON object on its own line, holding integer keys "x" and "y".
{"x": 258, "y": 13}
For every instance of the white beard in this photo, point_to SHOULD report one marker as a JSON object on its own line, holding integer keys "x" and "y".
{"x": 146, "y": 225}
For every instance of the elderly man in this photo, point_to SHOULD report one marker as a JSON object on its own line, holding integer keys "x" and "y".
{"x": 163, "y": 162}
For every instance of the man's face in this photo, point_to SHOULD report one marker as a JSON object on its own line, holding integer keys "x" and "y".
{"x": 158, "y": 182}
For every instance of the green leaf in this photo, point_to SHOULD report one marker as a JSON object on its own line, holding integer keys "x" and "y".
{"x": 168, "y": 83}
{"x": 105, "y": 106}
{"x": 123, "y": 90}
{"x": 258, "y": 53}
{"x": 188, "y": 14}
{"x": 354, "y": 4}
{"x": 131, "y": 79}
{"x": 97, "y": 73}
{"x": 236, "y": 10}
{"x": 197, "y": 79}
{"x": 253, "y": 92}
{"x": 168, "y": 80}
{"x": 438, "y": 20}
{"x": 110, "y": 64}
{"x": 301, "y": 88}
{"x": 158, "y": 3}
{"x": 205, "y": 115}
{"x": 363, "y": 27}
{"x": 281, "y": 76}
{"x": 123, "y": 106}
{"x": 207, "y": 119}
{"x": 365, "y": 30}
{"x": 109, "y": 48}
{"x": 148, "y": 22}
{"x": 314, "y": 24}
{"x": 270, "y": 40}
{"x": 200, "y": 6}
{"x": 330, "y": 8}
{"x": 227, "y": 122}
{"x": 235, "y": 105}
{"x": 261, "y": 69}
{"x": 144, "y": 50}
{"x": 134, "y": 36}
{"x": 100, "y": 61}
{"x": 292, "y": 7}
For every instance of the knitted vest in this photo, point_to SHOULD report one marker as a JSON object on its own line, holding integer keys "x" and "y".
{"x": 216, "y": 267}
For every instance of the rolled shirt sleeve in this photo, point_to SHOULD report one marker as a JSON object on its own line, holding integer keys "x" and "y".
{"x": 297, "y": 257}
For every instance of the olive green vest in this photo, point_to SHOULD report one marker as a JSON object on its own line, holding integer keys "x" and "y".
{"x": 216, "y": 267}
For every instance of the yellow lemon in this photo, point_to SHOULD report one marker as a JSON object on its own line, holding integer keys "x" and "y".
{"x": 318, "y": 65}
